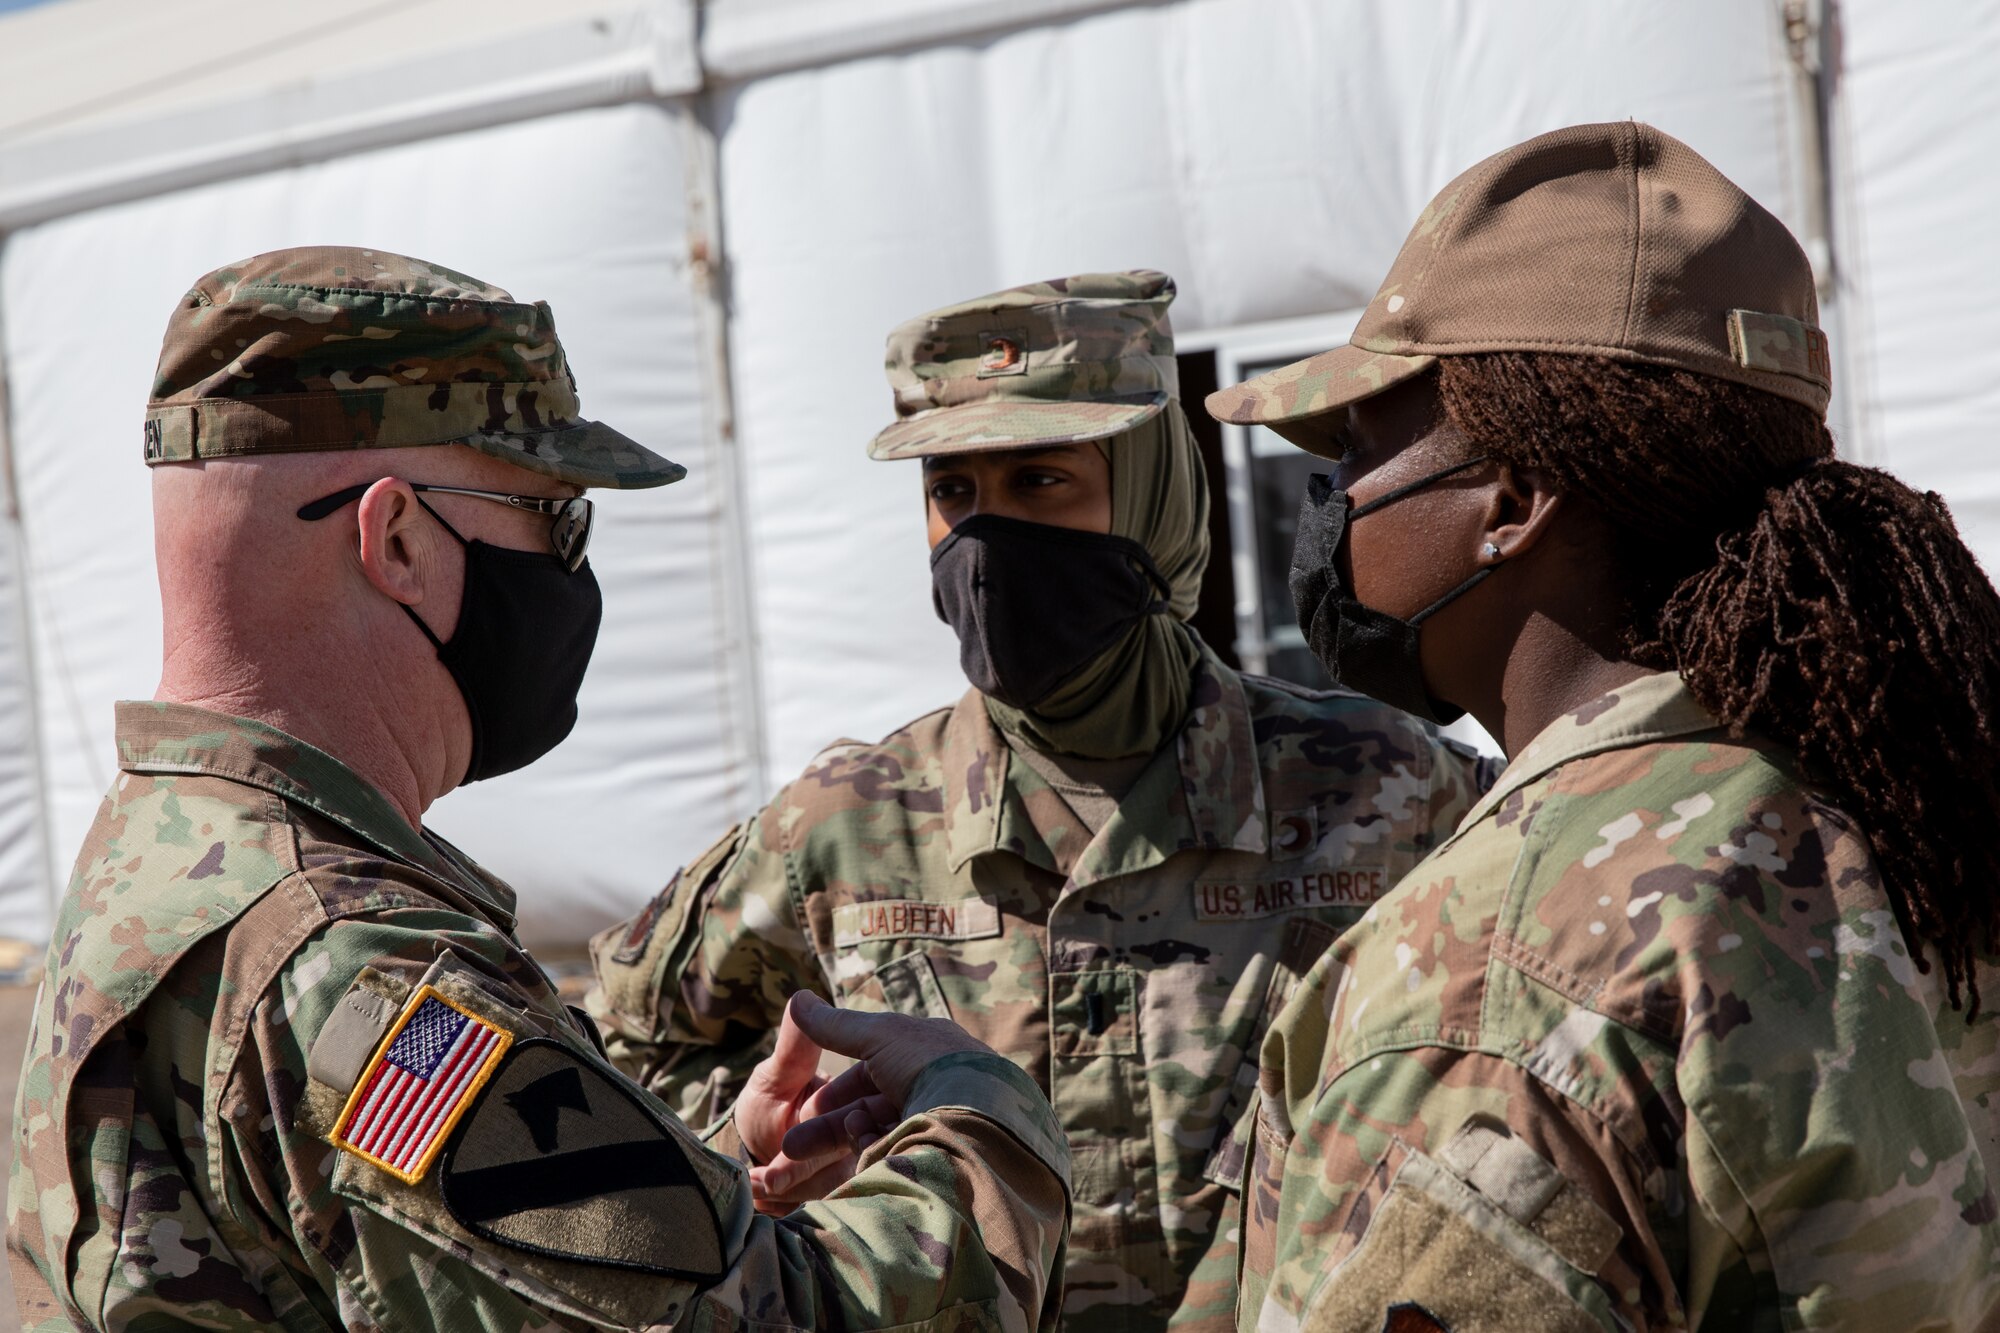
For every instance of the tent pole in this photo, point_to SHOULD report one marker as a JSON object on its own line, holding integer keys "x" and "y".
{"x": 740, "y": 677}
{"x": 742, "y": 673}
{"x": 1805, "y": 40}
{"x": 15, "y": 553}
{"x": 1812, "y": 33}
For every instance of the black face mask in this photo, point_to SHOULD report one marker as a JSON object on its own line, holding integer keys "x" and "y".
{"x": 1033, "y": 604}
{"x": 1362, "y": 648}
{"x": 526, "y": 626}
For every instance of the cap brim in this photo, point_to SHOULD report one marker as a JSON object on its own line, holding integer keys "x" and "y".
{"x": 1303, "y": 401}
{"x": 974, "y": 428}
{"x": 586, "y": 454}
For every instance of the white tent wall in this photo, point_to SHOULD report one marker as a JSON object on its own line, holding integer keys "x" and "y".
{"x": 876, "y": 158}
{"x": 24, "y": 872}
{"x": 662, "y": 755}
{"x": 1270, "y": 154}
{"x": 1918, "y": 240}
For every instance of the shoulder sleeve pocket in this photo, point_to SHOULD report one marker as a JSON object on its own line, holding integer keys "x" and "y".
{"x": 1487, "y": 1235}
{"x": 632, "y": 960}
{"x": 489, "y": 1138}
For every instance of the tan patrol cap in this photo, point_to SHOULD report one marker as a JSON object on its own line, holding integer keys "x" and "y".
{"x": 1611, "y": 240}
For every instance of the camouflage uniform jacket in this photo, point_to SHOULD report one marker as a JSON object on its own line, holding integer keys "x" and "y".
{"x": 1130, "y": 973}
{"x": 1642, "y": 1046}
{"x": 248, "y": 924}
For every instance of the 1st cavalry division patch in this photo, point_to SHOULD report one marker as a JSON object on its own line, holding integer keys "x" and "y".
{"x": 560, "y": 1158}
{"x": 424, "y": 1076}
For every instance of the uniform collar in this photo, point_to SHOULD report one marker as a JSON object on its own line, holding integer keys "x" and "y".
{"x": 1207, "y": 793}
{"x": 1652, "y": 708}
{"x": 180, "y": 738}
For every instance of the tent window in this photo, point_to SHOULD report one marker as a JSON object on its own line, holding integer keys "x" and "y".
{"x": 1270, "y": 475}
{"x": 1261, "y": 477}
{"x": 1215, "y": 615}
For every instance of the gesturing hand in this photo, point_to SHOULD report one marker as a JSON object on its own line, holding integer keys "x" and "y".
{"x": 808, "y": 1132}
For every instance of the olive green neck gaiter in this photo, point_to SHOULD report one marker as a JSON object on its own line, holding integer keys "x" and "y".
{"x": 1132, "y": 697}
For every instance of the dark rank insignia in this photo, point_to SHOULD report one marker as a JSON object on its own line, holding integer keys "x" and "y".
{"x": 559, "y": 1158}
{"x": 1409, "y": 1317}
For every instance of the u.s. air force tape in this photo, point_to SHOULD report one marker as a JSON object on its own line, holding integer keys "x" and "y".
{"x": 558, "y": 1158}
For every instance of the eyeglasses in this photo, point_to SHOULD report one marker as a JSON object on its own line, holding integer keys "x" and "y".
{"x": 569, "y": 535}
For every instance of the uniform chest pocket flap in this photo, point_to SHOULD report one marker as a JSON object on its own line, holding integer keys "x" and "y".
{"x": 905, "y": 985}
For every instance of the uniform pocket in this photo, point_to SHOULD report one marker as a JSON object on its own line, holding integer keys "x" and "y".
{"x": 634, "y": 962}
{"x": 1094, "y": 1013}
{"x": 1268, "y": 1142}
{"x": 906, "y": 984}
{"x": 1306, "y": 938}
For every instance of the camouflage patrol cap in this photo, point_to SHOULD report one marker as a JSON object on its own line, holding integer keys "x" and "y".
{"x": 327, "y": 347}
{"x": 1611, "y": 240}
{"x": 1050, "y": 363}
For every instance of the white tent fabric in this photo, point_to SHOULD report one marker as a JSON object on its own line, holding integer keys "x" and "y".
{"x": 109, "y": 100}
{"x": 23, "y": 867}
{"x": 660, "y": 758}
{"x": 1270, "y": 154}
{"x": 1918, "y": 241}
{"x": 876, "y": 158}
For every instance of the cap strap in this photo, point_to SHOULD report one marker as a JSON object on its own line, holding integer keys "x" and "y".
{"x": 1780, "y": 345}
{"x": 390, "y": 417}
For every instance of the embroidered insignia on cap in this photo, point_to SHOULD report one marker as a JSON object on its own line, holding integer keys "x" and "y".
{"x": 1002, "y": 354}
{"x": 422, "y": 1079}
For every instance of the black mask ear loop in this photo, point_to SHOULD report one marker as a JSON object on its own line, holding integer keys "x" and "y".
{"x": 1163, "y": 601}
{"x": 1389, "y": 497}
{"x": 436, "y": 642}
{"x": 1478, "y": 576}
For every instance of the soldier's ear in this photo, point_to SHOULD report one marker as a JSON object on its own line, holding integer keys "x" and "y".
{"x": 1521, "y": 511}
{"x": 402, "y": 550}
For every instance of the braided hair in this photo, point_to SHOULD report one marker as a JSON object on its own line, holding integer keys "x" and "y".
{"x": 1817, "y": 602}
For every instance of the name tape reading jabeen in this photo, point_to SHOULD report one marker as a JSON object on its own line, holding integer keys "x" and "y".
{"x": 911, "y": 918}
{"x": 1350, "y": 886}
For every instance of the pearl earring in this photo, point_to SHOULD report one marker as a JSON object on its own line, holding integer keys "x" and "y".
{"x": 1490, "y": 551}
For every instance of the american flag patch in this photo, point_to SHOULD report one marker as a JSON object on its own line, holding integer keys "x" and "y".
{"x": 421, "y": 1080}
